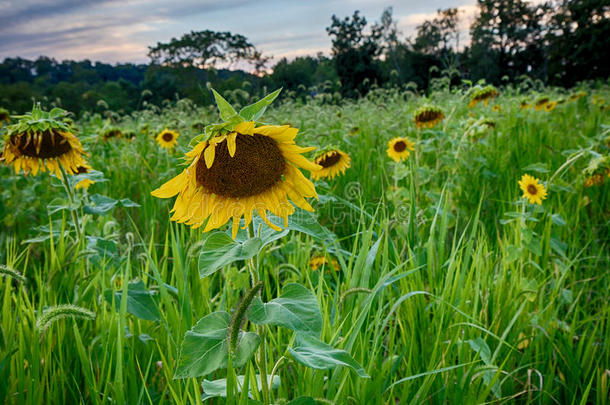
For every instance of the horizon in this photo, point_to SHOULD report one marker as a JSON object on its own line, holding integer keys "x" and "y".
{"x": 30, "y": 28}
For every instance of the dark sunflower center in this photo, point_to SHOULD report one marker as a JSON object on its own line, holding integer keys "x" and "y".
{"x": 426, "y": 116}
{"x": 257, "y": 165}
{"x": 532, "y": 189}
{"x": 168, "y": 137}
{"x": 329, "y": 160}
{"x": 51, "y": 145}
{"x": 81, "y": 170}
{"x": 400, "y": 146}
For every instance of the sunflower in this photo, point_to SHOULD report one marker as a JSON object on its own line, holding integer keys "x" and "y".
{"x": 428, "y": 116}
{"x": 84, "y": 183}
{"x": 167, "y": 139}
{"x": 318, "y": 261}
{"x": 483, "y": 94}
{"x": 524, "y": 105}
{"x": 541, "y": 103}
{"x": 4, "y": 115}
{"x": 231, "y": 175}
{"x": 550, "y": 106}
{"x": 354, "y": 131}
{"x": 577, "y": 96}
{"x": 496, "y": 108}
{"x": 398, "y": 148}
{"x": 333, "y": 163}
{"x": 39, "y": 141}
{"x": 112, "y": 133}
{"x": 532, "y": 189}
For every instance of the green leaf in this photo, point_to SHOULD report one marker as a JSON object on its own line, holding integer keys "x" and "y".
{"x": 226, "y": 110}
{"x": 296, "y": 309}
{"x": 314, "y": 353}
{"x": 140, "y": 301}
{"x": 218, "y": 388}
{"x": 479, "y": 346}
{"x": 102, "y": 248}
{"x": 253, "y": 112}
{"x": 205, "y": 347}
{"x": 536, "y": 167}
{"x": 127, "y": 203}
{"x": 219, "y": 250}
{"x": 100, "y": 204}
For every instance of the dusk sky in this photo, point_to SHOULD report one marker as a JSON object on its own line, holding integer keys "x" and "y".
{"x": 121, "y": 31}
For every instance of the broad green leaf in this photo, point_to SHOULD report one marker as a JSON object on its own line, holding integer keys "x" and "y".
{"x": 205, "y": 347}
{"x": 100, "y": 248}
{"x": 226, "y": 110}
{"x": 296, "y": 309}
{"x": 254, "y": 111}
{"x": 218, "y": 388}
{"x": 219, "y": 250}
{"x": 127, "y": 203}
{"x": 314, "y": 353}
{"x": 140, "y": 301}
{"x": 480, "y": 346}
{"x": 100, "y": 204}
{"x": 305, "y": 222}
{"x": 536, "y": 167}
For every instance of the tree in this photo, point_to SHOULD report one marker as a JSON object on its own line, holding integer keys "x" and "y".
{"x": 434, "y": 37}
{"x": 579, "y": 39}
{"x": 354, "y": 53}
{"x": 203, "y": 49}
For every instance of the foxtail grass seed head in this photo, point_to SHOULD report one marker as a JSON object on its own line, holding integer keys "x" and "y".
{"x": 12, "y": 273}
{"x": 239, "y": 316}
{"x": 54, "y": 314}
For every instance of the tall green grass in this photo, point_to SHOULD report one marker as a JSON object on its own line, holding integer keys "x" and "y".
{"x": 451, "y": 289}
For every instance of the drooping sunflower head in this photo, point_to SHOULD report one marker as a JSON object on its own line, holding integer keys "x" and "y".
{"x": 240, "y": 168}
{"x": 484, "y": 94}
{"x": 597, "y": 171}
{"x": 550, "y": 106}
{"x": 541, "y": 103}
{"x": 84, "y": 183}
{"x": 532, "y": 189}
{"x": 428, "y": 116}
{"x": 5, "y": 116}
{"x": 333, "y": 162}
{"x": 111, "y": 133}
{"x": 577, "y": 96}
{"x": 496, "y": 108}
{"x": 40, "y": 141}
{"x": 399, "y": 148}
{"x": 321, "y": 261}
{"x": 354, "y": 131}
{"x": 167, "y": 139}
{"x": 524, "y": 105}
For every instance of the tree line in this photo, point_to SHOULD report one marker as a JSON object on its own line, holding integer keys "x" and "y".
{"x": 560, "y": 43}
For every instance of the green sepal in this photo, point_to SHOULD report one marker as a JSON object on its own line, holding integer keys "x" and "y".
{"x": 38, "y": 121}
{"x": 255, "y": 111}
{"x": 225, "y": 109}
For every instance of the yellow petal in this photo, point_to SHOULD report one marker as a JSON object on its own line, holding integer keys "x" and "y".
{"x": 231, "y": 143}
{"x": 301, "y": 161}
{"x": 209, "y": 154}
{"x": 246, "y": 128}
{"x": 172, "y": 187}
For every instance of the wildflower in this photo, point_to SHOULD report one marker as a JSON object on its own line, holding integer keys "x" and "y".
{"x": 318, "y": 261}
{"x": 167, "y": 139}
{"x": 532, "y": 189}
{"x": 398, "y": 148}
{"x": 333, "y": 163}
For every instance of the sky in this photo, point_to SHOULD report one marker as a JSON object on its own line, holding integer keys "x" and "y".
{"x": 119, "y": 31}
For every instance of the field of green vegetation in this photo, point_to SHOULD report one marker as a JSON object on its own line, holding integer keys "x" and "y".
{"x": 435, "y": 280}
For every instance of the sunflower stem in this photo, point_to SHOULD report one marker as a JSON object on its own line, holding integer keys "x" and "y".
{"x": 260, "y": 329}
{"x": 70, "y": 193}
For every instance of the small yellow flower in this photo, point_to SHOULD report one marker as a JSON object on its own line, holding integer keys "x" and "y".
{"x": 532, "y": 189}
{"x": 399, "y": 148}
{"x": 541, "y": 103}
{"x": 167, "y": 139}
{"x": 318, "y": 261}
{"x": 428, "y": 117}
{"x": 524, "y": 105}
{"x": 333, "y": 162}
{"x": 85, "y": 183}
{"x": 496, "y": 108}
{"x": 550, "y": 106}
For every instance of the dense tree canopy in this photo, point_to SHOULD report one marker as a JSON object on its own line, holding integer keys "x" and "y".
{"x": 560, "y": 43}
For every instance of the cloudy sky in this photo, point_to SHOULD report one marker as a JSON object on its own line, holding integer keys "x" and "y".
{"x": 121, "y": 30}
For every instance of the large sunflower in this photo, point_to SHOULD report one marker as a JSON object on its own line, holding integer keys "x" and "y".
{"x": 167, "y": 139}
{"x": 333, "y": 163}
{"x": 399, "y": 148}
{"x": 231, "y": 175}
{"x": 428, "y": 116}
{"x": 39, "y": 141}
{"x": 532, "y": 189}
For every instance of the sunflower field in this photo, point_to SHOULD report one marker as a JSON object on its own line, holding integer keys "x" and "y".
{"x": 448, "y": 248}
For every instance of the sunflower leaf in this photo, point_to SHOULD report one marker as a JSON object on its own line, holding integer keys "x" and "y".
{"x": 313, "y": 353}
{"x": 226, "y": 110}
{"x": 218, "y": 388}
{"x": 140, "y": 301}
{"x": 219, "y": 250}
{"x": 296, "y": 309}
{"x": 254, "y": 111}
{"x": 205, "y": 347}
